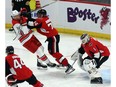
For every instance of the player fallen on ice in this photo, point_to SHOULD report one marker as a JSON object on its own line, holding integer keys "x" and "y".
{"x": 17, "y": 72}
{"x": 97, "y": 55}
{"x": 28, "y": 40}
{"x": 53, "y": 38}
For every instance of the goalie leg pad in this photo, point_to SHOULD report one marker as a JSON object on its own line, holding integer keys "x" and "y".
{"x": 89, "y": 64}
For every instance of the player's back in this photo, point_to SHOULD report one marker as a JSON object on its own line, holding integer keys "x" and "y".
{"x": 102, "y": 48}
{"x": 46, "y": 29}
{"x": 94, "y": 46}
{"x": 17, "y": 67}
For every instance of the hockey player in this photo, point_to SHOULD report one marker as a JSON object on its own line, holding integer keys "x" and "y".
{"x": 28, "y": 40}
{"x": 19, "y": 5}
{"x": 97, "y": 55}
{"x": 16, "y": 71}
{"x": 45, "y": 28}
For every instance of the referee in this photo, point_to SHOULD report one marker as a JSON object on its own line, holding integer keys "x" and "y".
{"x": 19, "y": 5}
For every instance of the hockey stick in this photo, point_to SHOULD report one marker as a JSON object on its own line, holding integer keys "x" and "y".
{"x": 19, "y": 29}
{"x": 45, "y": 6}
{"x": 39, "y": 9}
{"x": 15, "y": 36}
{"x": 74, "y": 62}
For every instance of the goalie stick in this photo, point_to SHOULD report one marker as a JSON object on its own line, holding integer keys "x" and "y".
{"x": 74, "y": 62}
{"x": 75, "y": 54}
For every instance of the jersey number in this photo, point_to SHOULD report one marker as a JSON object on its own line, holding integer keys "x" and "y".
{"x": 18, "y": 64}
{"x": 48, "y": 22}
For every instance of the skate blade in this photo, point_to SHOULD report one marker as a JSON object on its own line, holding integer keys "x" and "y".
{"x": 40, "y": 68}
{"x": 96, "y": 83}
{"x": 56, "y": 66}
{"x": 60, "y": 67}
{"x": 70, "y": 71}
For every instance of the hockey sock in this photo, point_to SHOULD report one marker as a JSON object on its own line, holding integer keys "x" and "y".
{"x": 62, "y": 61}
{"x": 65, "y": 62}
{"x": 44, "y": 58}
{"x": 38, "y": 84}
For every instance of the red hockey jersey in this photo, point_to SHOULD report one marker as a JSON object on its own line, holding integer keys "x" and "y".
{"x": 18, "y": 68}
{"x": 94, "y": 46}
{"x": 46, "y": 28}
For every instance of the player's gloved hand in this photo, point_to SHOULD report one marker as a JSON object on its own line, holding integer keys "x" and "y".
{"x": 24, "y": 14}
{"x": 31, "y": 25}
{"x": 23, "y": 10}
{"x": 39, "y": 25}
{"x": 10, "y": 80}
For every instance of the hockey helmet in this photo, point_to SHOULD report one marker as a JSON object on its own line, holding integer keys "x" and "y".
{"x": 15, "y": 13}
{"x": 9, "y": 49}
{"x": 85, "y": 38}
{"x": 104, "y": 8}
{"x": 42, "y": 12}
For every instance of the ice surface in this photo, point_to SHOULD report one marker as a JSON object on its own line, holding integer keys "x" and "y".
{"x": 53, "y": 77}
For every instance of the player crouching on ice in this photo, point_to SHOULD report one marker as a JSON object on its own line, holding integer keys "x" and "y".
{"x": 17, "y": 72}
{"x": 97, "y": 55}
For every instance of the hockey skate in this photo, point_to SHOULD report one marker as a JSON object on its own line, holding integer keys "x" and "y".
{"x": 69, "y": 69}
{"x": 97, "y": 80}
{"x": 41, "y": 66}
{"x": 95, "y": 76}
{"x": 52, "y": 65}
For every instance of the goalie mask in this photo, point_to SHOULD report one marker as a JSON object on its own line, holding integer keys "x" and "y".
{"x": 85, "y": 38}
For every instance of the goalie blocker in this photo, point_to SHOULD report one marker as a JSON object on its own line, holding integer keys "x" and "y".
{"x": 97, "y": 55}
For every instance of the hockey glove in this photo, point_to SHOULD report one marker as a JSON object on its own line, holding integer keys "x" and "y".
{"x": 10, "y": 80}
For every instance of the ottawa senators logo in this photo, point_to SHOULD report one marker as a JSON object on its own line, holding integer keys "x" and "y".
{"x": 105, "y": 13}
